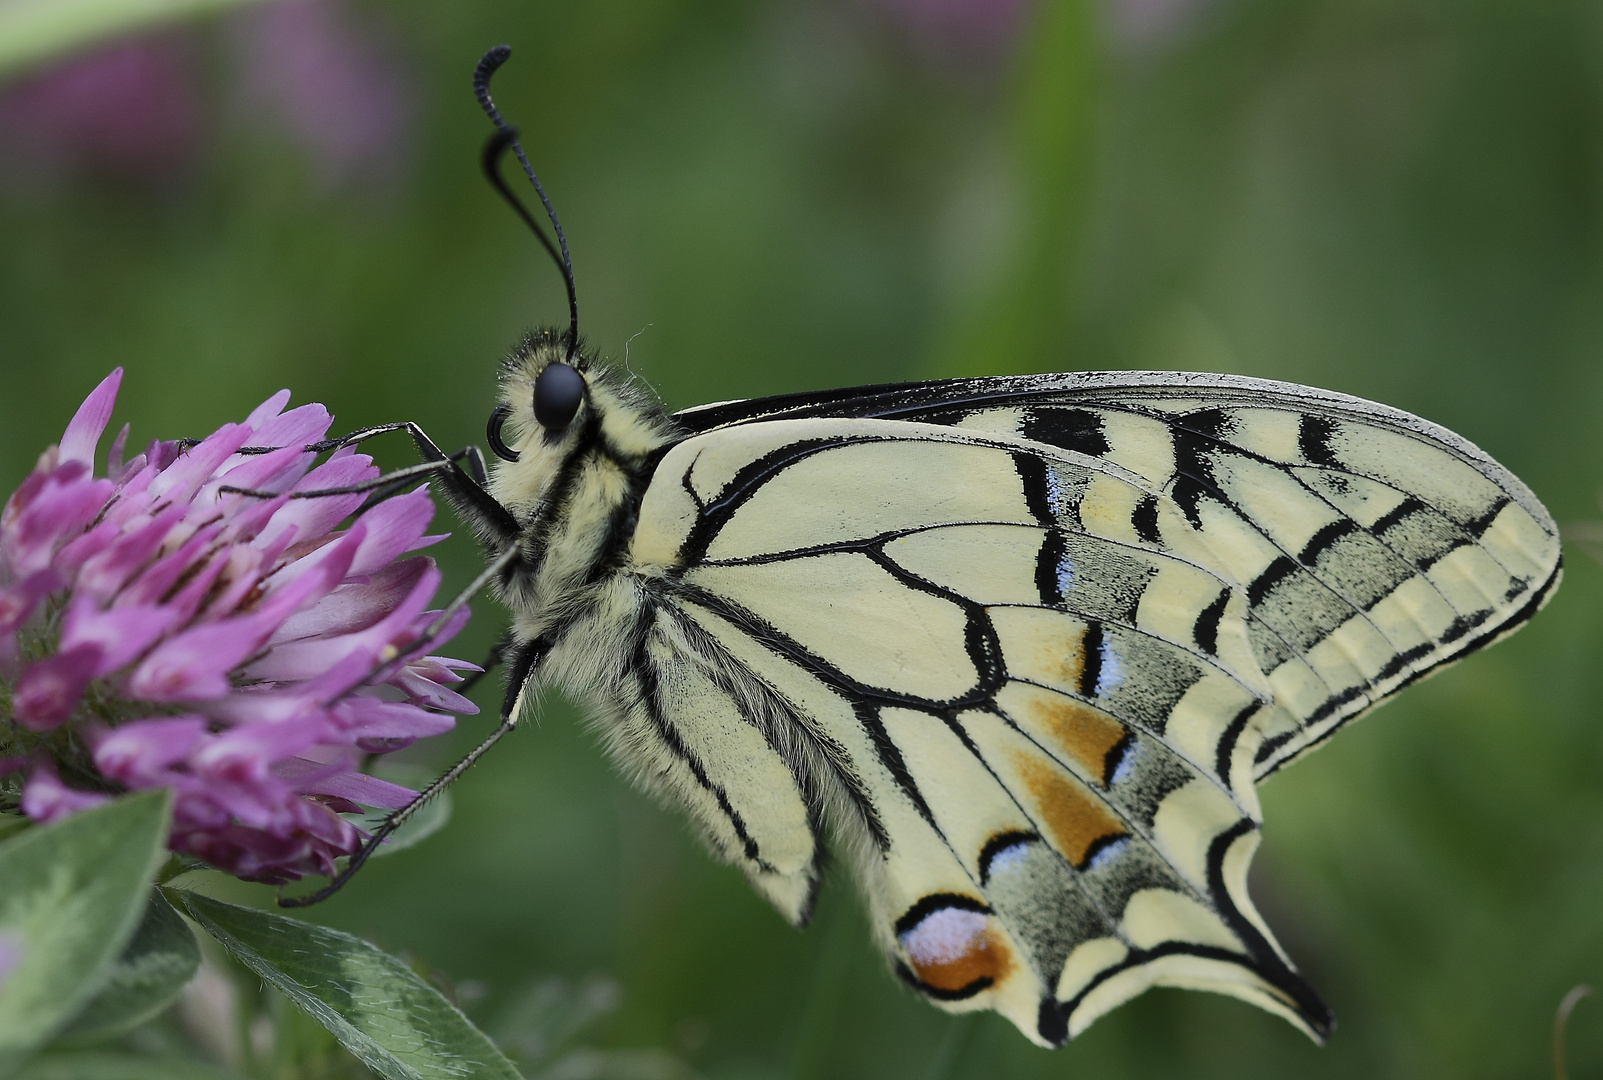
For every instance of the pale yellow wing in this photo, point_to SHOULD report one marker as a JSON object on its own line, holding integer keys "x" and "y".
{"x": 1026, "y": 664}
{"x": 1376, "y": 546}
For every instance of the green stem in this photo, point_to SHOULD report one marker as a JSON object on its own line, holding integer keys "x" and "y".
{"x": 1026, "y": 321}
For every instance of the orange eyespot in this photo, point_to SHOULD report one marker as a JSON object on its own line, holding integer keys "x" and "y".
{"x": 953, "y": 949}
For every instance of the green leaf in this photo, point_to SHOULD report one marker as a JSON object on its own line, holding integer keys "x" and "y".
{"x": 104, "y": 1066}
{"x": 397, "y": 1024}
{"x": 35, "y": 31}
{"x": 160, "y": 959}
{"x": 71, "y": 895}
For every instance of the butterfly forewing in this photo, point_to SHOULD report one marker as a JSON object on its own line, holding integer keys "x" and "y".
{"x": 1374, "y": 546}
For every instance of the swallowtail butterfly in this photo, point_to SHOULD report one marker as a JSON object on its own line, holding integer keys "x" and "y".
{"x": 1017, "y": 650}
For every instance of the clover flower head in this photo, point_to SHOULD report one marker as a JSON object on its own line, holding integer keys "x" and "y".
{"x": 157, "y": 630}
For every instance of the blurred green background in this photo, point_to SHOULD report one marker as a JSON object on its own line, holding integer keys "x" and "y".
{"x": 1398, "y": 199}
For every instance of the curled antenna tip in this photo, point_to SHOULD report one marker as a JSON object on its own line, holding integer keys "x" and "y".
{"x": 492, "y": 59}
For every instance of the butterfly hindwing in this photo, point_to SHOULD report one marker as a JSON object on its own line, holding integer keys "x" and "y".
{"x": 725, "y": 735}
{"x": 1032, "y": 719}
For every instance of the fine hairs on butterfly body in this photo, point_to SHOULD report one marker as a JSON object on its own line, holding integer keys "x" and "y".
{"x": 1017, "y": 649}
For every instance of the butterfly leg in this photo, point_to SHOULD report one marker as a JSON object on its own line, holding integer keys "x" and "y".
{"x": 498, "y": 530}
{"x": 470, "y": 455}
{"x": 464, "y": 489}
{"x": 377, "y": 483}
{"x": 397, "y": 819}
{"x": 521, "y": 660}
{"x": 426, "y": 447}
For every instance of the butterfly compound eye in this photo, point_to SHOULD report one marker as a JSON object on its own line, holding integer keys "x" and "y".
{"x": 557, "y": 394}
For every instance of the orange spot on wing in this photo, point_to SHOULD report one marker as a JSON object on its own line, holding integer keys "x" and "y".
{"x": 1074, "y": 817}
{"x": 952, "y": 950}
{"x": 1085, "y": 733}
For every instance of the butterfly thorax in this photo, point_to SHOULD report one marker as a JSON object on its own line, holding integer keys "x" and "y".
{"x": 574, "y": 492}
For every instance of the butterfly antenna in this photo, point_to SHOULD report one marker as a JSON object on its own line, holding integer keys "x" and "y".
{"x": 507, "y": 136}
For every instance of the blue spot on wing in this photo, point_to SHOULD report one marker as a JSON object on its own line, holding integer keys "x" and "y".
{"x": 1110, "y": 673}
{"x": 1056, "y": 496}
{"x": 1007, "y": 858}
{"x": 1126, "y": 766}
{"x": 1107, "y": 853}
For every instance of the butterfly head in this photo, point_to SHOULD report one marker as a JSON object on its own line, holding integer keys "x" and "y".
{"x": 544, "y": 393}
{"x": 556, "y": 403}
